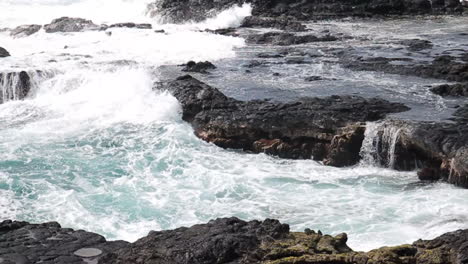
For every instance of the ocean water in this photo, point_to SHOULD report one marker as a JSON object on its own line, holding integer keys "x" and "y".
{"x": 94, "y": 147}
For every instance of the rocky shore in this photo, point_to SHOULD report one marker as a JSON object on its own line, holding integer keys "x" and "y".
{"x": 225, "y": 240}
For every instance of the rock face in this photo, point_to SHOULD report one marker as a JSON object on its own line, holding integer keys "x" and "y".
{"x": 438, "y": 149}
{"x": 179, "y": 11}
{"x": 185, "y": 10}
{"x": 225, "y": 240}
{"x": 25, "y": 30}
{"x": 69, "y": 24}
{"x": 25, "y": 243}
{"x": 4, "y": 53}
{"x": 328, "y": 129}
{"x": 14, "y": 86}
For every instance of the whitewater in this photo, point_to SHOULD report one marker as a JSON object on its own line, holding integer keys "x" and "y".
{"x": 94, "y": 147}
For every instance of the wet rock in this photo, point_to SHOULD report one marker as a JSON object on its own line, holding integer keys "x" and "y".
{"x": 4, "y": 53}
{"x": 459, "y": 89}
{"x": 181, "y": 11}
{"x": 194, "y": 10}
{"x": 227, "y": 240}
{"x": 200, "y": 67}
{"x": 69, "y": 24}
{"x": 160, "y": 31}
{"x": 14, "y": 86}
{"x": 442, "y": 67}
{"x": 313, "y": 78}
{"x": 224, "y": 31}
{"x": 273, "y": 22}
{"x": 131, "y": 25}
{"x": 319, "y": 128}
{"x": 439, "y": 150}
{"x": 21, "y": 242}
{"x": 417, "y": 44}
{"x": 224, "y": 240}
{"x": 287, "y": 39}
{"x": 25, "y": 30}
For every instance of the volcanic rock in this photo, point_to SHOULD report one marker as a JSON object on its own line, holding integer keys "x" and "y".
{"x": 459, "y": 89}
{"x": 68, "y": 24}
{"x": 16, "y": 85}
{"x": 25, "y": 30}
{"x": 200, "y": 67}
{"x": 287, "y": 39}
{"x": 328, "y": 129}
{"x": 4, "y": 53}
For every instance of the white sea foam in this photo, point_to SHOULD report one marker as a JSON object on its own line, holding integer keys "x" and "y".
{"x": 95, "y": 148}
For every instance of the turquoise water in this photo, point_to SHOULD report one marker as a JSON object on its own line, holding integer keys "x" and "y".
{"x": 94, "y": 147}
{"x": 121, "y": 162}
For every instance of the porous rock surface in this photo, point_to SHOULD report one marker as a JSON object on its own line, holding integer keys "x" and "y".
{"x": 328, "y": 129}
{"x": 225, "y": 240}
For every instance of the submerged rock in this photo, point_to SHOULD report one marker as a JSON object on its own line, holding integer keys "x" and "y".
{"x": 69, "y": 24}
{"x": 417, "y": 44}
{"x": 25, "y": 30}
{"x": 4, "y": 53}
{"x": 328, "y": 129}
{"x": 287, "y": 39}
{"x": 200, "y": 67}
{"x": 442, "y": 67}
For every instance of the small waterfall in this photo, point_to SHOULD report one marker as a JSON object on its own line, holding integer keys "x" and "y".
{"x": 379, "y": 145}
{"x": 17, "y": 85}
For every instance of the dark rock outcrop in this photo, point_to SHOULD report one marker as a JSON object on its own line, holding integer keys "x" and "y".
{"x": 131, "y": 25}
{"x": 459, "y": 89}
{"x": 69, "y": 24}
{"x": 25, "y": 243}
{"x": 200, "y": 67}
{"x": 185, "y": 10}
{"x": 438, "y": 149}
{"x": 225, "y": 240}
{"x": 14, "y": 86}
{"x": 287, "y": 39}
{"x": 179, "y": 11}
{"x": 25, "y": 30}
{"x": 4, "y": 53}
{"x": 328, "y": 129}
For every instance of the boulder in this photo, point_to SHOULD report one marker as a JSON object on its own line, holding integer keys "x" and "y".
{"x": 69, "y": 24}
{"x": 25, "y": 30}
{"x": 200, "y": 67}
{"x": 4, "y": 53}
